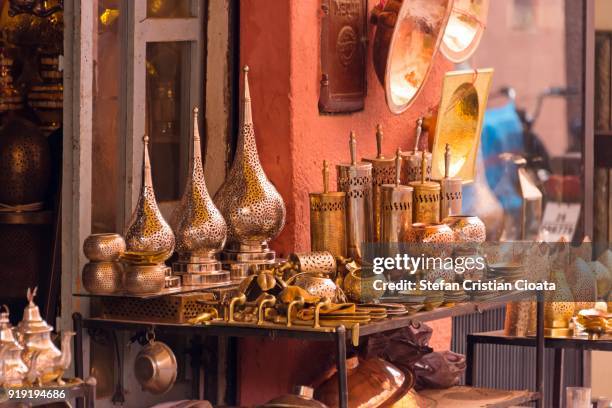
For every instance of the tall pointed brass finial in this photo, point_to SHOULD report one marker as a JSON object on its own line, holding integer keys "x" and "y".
{"x": 353, "y": 148}
{"x": 379, "y": 141}
{"x": 147, "y": 179}
{"x": 447, "y": 157}
{"x": 247, "y": 113}
{"x": 325, "y": 177}
{"x": 418, "y": 131}
{"x": 398, "y": 166}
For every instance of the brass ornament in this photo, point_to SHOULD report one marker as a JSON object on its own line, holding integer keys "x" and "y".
{"x": 459, "y": 122}
{"x": 383, "y": 172}
{"x": 102, "y": 277}
{"x": 355, "y": 179}
{"x": 396, "y": 207}
{"x": 252, "y": 207}
{"x": 450, "y": 190}
{"x": 103, "y": 247}
{"x": 328, "y": 219}
{"x": 426, "y": 198}
{"x": 411, "y": 160}
{"x": 464, "y": 29}
{"x": 408, "y": 35}
{"x": 466, "y": 228}
{"x": 148, "y": 231}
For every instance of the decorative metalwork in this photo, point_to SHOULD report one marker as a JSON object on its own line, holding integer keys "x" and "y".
{"x": 148, "y": 230}
{"x": 450, "y": 190}
{"x": 396, "y": 207}
{"x": 38, "y": 8}
{"x": 426, "y": 199}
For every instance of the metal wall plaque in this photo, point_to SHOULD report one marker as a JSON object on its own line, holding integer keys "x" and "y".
{"x": 343, "y": 56}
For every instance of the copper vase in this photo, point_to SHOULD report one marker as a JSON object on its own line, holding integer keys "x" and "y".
{"x": 148, "y": 230}
{"x": 251, "y": 205}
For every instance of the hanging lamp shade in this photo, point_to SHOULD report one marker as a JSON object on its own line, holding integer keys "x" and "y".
{"x": 464, "y": 29}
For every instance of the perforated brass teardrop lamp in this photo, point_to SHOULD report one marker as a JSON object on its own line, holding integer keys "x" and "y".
{"x": 383, "y": 172}
{"x": 355, "y": 179}
{"x": 200, "y": 228}
{"x": 328, "y": 219}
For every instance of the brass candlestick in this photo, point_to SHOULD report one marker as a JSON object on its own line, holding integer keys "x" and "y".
{"x": 426, "y": 198}
{"x": 328, "y": 219}
{"x": 411, "y": 160}
{"x": 450, "y": 190}
{"x": 383, "y": 172}
{"x": 355, "y": 179}
{"x": 396, "y": 203}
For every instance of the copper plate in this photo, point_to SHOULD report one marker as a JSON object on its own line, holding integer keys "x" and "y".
{"x": 343, "y": 56}
{"x": 464, "y": 30}
{"x": 407, "y": 38}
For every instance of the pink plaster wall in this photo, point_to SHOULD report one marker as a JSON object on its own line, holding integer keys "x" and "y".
{"x": 280, "y": 42}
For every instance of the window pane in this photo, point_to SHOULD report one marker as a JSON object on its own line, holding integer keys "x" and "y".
{"x": 167, "y": 110}
{"x": 169, "y": 8}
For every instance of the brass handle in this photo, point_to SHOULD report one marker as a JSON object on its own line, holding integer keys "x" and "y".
{"x": 324, "y": 302}
{"x": 398, "y": 166}
{"x": 267, "y": 299}
{"x": 447, "y": 157}
{"x": 353, "y": 148}
{"x": 299, "y": 301}
{"x": 379, "y": 140}
{"x": 241, "y": 300}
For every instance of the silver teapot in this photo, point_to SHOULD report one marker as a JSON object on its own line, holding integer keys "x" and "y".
{"x": 13, "y": 370}
{"x": 45, "y": 361}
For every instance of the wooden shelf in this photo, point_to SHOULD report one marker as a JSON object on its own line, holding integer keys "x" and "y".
{"x": 473, "y": 397}
{"x": 163, "y": 292}
{"x": 45, "y": 217}
{"x": 579, "y": 343}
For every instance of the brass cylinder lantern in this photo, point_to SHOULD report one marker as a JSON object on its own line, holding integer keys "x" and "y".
{"x": 411, "y": 160}
{"x": 426, "y": 198}
{"x": 396, "y": 204}
{"x": 450, "y": 190}
{"x": 328, "y": 219}
{"x": 383, "y": 172}
{"x": 355, "y": 179}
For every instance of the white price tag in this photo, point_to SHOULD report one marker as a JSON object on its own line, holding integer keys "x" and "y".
{"x": 560, "y": 221}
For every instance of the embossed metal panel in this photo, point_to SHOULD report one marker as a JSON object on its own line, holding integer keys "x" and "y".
{"x": 343, "y": 56}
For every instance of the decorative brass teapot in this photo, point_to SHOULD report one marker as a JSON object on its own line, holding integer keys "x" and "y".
{"x": 13, "y": 370}
{"x": 47, "y": 363}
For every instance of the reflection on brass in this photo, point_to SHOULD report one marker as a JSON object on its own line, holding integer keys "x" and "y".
{"x": 408, "y": 34}
{"x": 102, "y": 277}
{"x": 396, "y": 204}
{"x": 148, "y": 230}
{"x": 343, "y": 56}
{"x": 464, "y": 29}
{"x": 450, "y": 190}
{"x": 459, "y": 122}
{"x": 103, "y": 247}
{"x": 355, "y": 179}
{"x": 426, "y": 198}
{"x": 144, "y": 279}
{"x": 411, "y": 160}
{"x": 383, "y": 172}
{"x": 328, "y": 219}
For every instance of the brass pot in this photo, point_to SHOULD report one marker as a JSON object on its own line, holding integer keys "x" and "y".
{"x": 429, "y": 233}
{"x": 466, "y": 228}
{"x": 408, "y": 35}
{"x": 102, "y": 277}
{"x": 360, "y": 289}
{"x": 155, "y": 367}
{"x": 103, "y": 247}
{"x": 301, "y": 398}
{"x": 315, "y": 285}
{"x": 144, "y": 279}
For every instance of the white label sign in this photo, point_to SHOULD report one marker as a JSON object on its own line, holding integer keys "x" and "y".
{"x": 560, "y": 221}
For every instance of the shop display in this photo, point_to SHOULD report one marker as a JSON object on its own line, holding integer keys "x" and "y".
{"x": 355, "y": 179}
{"x": 155, "y": 366}
{"x": 450, "y": 190}
{"x": 46, "y": 97}
{"x": 459, "y": 122}
{"x": 408, "y": 35}
{"x": 328, "y": 219}
{"x": 396, "y": 207}
{"x": 411, "y": 160}
{"x": 25, "y": 166}
{"x": 148, "y": 231}
{"x": 343, "y": 56}
{"x": 252, "y": 207}
{"x": 426, "y": 198}
{"x": 383, "y": 172}
{"x": 144, "y": 279}
{"x": 466, "y": 228}
{"x": 200, "y": 229}
{"x": 10, "y": 98}
{"x": 465, "y": 28}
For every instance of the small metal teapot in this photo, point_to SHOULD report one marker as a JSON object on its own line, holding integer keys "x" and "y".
{"x": 40, "y": 354}
{"x": 13, "y": 371}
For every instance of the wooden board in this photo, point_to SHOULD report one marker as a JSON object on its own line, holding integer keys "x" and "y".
{"x": 472, "y": 397}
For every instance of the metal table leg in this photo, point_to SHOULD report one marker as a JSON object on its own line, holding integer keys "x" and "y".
{"x": 469, "y": 356}
{"x": 558, "y": 378}
{"x": 341, "y": 361}
{"x": 540, "y": 403}
{"x": 77, "y": 322}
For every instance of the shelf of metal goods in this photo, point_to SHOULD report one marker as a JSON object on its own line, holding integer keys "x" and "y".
{"x": 339, "y": 335}
{"x": 557, "y": 343}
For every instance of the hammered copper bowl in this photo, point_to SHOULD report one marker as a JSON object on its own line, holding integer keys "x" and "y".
{"x": 102, "y": 277}
{"x": 466, "y": 228}
{"x": 155, "y": 368}
{"x": 144, "y": 279}
{"x": 103, "y": 247}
